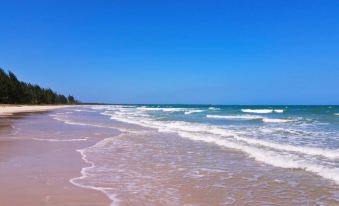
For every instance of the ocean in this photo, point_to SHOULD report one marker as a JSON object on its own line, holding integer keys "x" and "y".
{"x": 211, "y": 154}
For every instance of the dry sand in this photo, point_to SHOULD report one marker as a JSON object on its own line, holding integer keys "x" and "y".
{"x": 12, "y": 109}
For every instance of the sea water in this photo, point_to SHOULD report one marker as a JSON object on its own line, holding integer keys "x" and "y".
{"x": 212, "y": 154}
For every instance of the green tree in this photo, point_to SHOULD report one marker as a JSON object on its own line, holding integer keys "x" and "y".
{"x": 13, "y": 91}
{"x": 71, "y": 100}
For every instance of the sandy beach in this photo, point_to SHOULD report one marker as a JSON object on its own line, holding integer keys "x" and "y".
{"x": 169, "y": 103}
{"x": 12, "y": 109}
{"x": 94, "y": 156}
{"x": 35, "y": 172}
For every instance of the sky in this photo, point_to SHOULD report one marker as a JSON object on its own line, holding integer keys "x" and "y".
{"x": 178, "y": 51}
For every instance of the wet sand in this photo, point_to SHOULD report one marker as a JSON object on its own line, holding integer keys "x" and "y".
{"x": 34, "y": 173}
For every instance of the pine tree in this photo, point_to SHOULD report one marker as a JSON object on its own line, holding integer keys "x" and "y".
{"x": 13, "y": 91}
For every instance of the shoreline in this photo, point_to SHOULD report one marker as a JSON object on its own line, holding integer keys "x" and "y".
{"x": 113, "y": 200}
{"x": 11, "y": 109}
{"x": 74, "y": 156}
{"x": 40, "y": 168}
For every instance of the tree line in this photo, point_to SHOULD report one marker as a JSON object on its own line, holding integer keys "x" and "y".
{"x": 13, "y": 91}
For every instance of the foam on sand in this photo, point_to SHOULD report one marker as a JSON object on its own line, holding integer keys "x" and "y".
{"x": 85, "y": 173}
{"x": 66, "y": 121}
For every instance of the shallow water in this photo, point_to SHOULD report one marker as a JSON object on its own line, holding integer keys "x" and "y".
{"x": 181, "y": 155}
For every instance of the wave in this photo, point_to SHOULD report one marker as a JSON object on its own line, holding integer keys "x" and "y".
{"x": 320, "y": 161}
{"x": 223, "y": 132}
{"x": 262, "y": 111}
{"x": 332, "y": 154}
{"x": 336, "y": 114}
{"x": 194, "y": 111}
{"x": 214, "y": 108}
{"x": 234, "y": 117}
{"x": 283, "y": 160}
{"x": 161, "y": 109}
{"x": 84, "y": 174}
{"x": 185, "y": 110}
{"x": 80, "y": 110}
{"x": 165, "y": 109}
{"x": 259, "y": 111}
{"x": 249, "y": 117}
{"x": 270, "y": 120}
{"x": 66, "y": 121}
{"x": 276, "y": 154}
{"x": 83, "y": 110}
{"x": 174, "y": 126}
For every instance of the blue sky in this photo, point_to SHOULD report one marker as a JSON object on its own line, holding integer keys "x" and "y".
{"x": 217, "y": 52}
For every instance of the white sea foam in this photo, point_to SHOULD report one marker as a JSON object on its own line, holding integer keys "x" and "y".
{"x": 195, "y": 127}
{"x": 276, "y": 154}
{"x": 165, "y": 109}
{"x": 85, "y": 174}
{"x": 259, "y": 111}
{"x": 277, "y": 159}
{"x": 161, "y": 109}
{"x": 336, "y": 114}
{"x": 271, "y": 120}
{"x": 80, "y": 110}
{"x": 333, "y": 154}
{"x": 249, "y": 117}
{"x": 234, "y": 117}
{"x": 66, "y": 121}
{"x": 194, "y": 111}
{"x": 213, "y": 108}
{"x": 317, "y": 160}
{"x": 214, "y": 130}
{"x": 279, "y": 110}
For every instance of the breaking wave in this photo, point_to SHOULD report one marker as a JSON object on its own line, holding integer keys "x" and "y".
{"x": 270, "y": 152}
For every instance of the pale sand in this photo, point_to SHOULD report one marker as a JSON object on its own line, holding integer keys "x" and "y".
{"x": 12, "y": 109}
{"x": 37, "y": 173}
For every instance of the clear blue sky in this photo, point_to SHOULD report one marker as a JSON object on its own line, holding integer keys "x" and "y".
{"x": 219, "y": 52}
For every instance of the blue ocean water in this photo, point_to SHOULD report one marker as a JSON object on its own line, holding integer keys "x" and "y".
{"x": 297, "y": 137}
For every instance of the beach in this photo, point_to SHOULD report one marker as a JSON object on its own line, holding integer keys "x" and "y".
{"x": 13, "y": 109}
{"x": 35, "y": 172}
{"x": 165, "y": 155}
